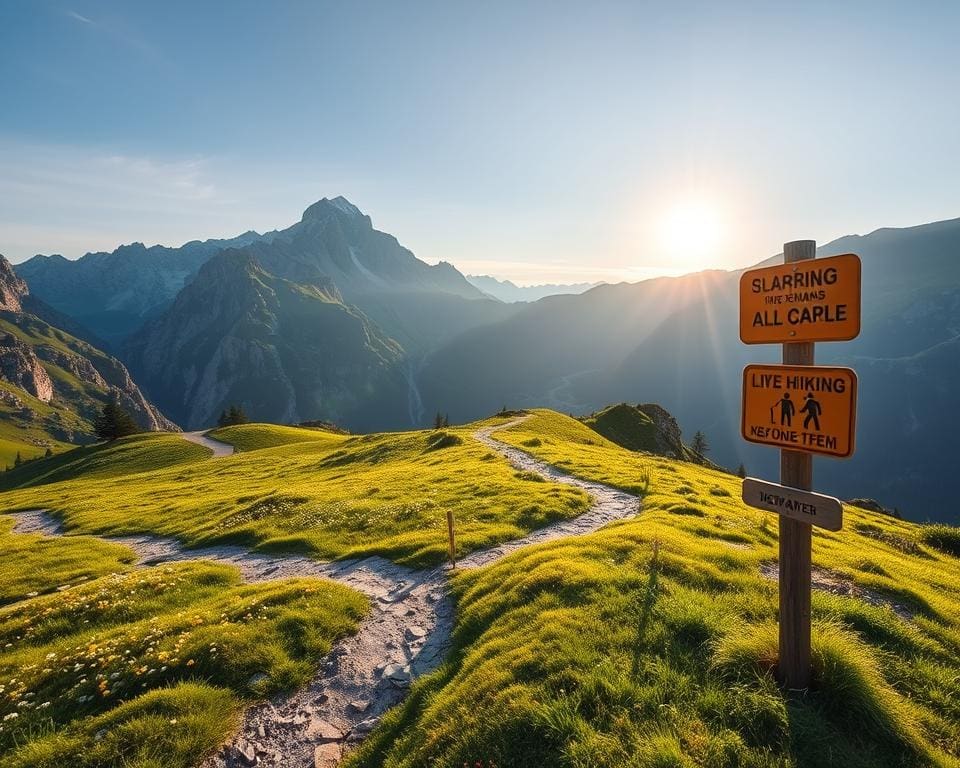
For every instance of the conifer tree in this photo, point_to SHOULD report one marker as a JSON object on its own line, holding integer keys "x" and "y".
{"x": 237, "y": 415}
{"x": 114, "y": 421}
{"x": 232, "y": 416}
{"x": 700, "y": 445}
{"x": 438, "y": 421}
{"x": 18, "y": 461}
{"x": 741, "y": 470}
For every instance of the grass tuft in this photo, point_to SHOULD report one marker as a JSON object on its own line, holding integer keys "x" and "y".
{"x": 945, "y": 538}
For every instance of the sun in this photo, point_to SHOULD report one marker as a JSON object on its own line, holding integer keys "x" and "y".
{"x": 691, "y": 234}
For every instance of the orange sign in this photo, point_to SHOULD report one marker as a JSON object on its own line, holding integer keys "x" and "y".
{"x": 801, "y": 408}
{"x": 813, "y": 300}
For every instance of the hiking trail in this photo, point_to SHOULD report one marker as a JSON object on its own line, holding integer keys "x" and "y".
{"x": 405, "y": 635}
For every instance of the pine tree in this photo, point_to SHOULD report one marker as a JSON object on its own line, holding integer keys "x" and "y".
{"x": 446, "y": 419}
{"x": 18, "y": 461}
{"x": 438, "y": 421}
{"x": 741, "y": 470}
{"x": 114, "y": 422}
{"x": 700, "y": 445}
{"x": 48, "y": 453}
{"x": 232, "y": 416}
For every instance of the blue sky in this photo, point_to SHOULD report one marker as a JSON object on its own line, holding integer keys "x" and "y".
{"x": 537, "y": 141}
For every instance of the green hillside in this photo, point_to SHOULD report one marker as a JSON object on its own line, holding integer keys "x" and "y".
{"x": 53, "y": 383}
{"x": 651, "y": 642}
{"x": 128, "y": 455}
{"x": 626, "y": 426}
{"x": 27, "y": 425}
{"x": 254, "y": 437}
{"x": 330, "y": 495}
{"x": 633, "y": 428}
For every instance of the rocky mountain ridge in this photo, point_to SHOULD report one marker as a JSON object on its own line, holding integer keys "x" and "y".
{"x": 286, "y": 351}
{"x": 55, "y": 384}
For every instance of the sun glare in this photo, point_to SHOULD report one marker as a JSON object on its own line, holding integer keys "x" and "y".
{"x": 690, "y": 234}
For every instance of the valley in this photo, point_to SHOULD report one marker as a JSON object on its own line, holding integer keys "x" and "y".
{"x": 331, "y": 319}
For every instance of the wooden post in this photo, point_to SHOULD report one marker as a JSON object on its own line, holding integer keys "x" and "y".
{"x": 796, "y": 470}
{"x": 452, "y": 544}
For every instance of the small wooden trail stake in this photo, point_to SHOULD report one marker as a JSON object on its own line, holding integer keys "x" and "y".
{"x": 452, "y": 546}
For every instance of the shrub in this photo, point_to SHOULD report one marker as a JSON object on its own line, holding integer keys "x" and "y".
{"x": 945, "y": 538}
{"x": 440, "y": 439}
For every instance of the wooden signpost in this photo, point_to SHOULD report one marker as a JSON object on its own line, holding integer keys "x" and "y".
{"x": 803, "y": 410}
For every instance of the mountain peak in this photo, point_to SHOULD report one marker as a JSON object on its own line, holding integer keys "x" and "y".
{"x": 327, "y": 205}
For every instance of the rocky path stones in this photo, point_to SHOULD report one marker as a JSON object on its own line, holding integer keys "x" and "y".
{"x": 406, "y": 634}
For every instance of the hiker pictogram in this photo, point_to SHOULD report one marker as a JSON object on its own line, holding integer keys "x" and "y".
{"x": 813, "y": 409}
{"x": 787, "y": 409}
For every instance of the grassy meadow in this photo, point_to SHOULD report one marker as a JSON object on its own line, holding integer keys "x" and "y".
{"x": 648, "y": 644}
{"x": 105, "y": 665}
{"x": 652, "y": 642}
{"x": 326, "y": 494}
{"x": 20, "y": 432}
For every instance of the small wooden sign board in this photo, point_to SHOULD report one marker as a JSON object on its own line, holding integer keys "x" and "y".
{"x": 813, "y": 300}
{"x": 805, "y": 506}
{"x": 800, "y": 407}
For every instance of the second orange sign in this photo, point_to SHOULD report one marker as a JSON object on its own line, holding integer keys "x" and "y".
{"x": 803, "y": 408}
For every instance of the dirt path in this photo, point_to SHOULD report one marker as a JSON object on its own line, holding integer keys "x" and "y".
{"x": 407, "y": 633}
{"x": 200, "y": 438}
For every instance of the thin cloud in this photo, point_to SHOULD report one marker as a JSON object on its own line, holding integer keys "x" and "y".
{"x": 80, "y": 17}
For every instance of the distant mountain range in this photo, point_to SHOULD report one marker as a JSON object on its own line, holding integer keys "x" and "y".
{"x": 332, "y": 319}
{"x": 327, "y": 319}
{"x": 674, "y": 341}
{"x": 507, "y": 291}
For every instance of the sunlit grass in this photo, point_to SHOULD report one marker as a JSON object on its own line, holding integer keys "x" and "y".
{"x": 149, "y": 666}
{"x": 254, "y": 437}
{"x": 31, "y": 564}
{"x": 330, "y": 495}
{"x": 652, "y": 642}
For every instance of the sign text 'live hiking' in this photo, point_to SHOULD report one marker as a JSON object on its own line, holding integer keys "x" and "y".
{"x": 801, "y": 408}
{"x": 813, "y": 300}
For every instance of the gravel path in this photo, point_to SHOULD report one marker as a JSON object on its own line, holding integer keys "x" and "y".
{"x": 406, "y": 634}
{"x": 200, "y": 438}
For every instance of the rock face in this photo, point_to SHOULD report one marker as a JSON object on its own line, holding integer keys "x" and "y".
{"x": 286, "y": 351}
{"x": 666, "y": 433}
{"x": 58, "y": 369}
{"x": 645, "y": 427}
{"x": 12, "y": 288}
{"x": 113, "y": 294}
{"x": 19, "y": 366}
